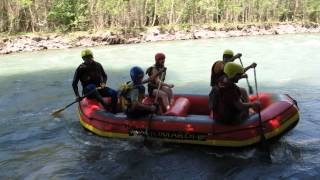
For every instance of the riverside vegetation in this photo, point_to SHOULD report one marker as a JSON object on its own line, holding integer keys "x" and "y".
{"x": 29, "y": 25}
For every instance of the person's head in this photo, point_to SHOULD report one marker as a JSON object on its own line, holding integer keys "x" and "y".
{"x": 136, "y": 74}
{"x": 233, "y": 71}
{"x": 87, "y": 55}
{"x": 160, "y": 59}
{"x": 227, "y": 55}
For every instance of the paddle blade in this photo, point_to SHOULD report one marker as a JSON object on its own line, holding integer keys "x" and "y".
{"x": 57, "y": 112}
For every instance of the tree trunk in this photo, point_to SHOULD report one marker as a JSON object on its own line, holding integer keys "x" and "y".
{"x": 155, "y": 12}
{"x": 32, "y": 19}
{"x": 171, "y": 12}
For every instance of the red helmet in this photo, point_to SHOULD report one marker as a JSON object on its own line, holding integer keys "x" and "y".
{"x": 159, "y": 56}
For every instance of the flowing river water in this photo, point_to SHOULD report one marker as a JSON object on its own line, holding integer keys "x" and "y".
{"x": 34, "y": 145}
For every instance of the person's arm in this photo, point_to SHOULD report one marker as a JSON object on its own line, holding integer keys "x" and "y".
{"x": 253, "y": 65}
{"x": 141, "y": 106}
{"x": 75, "y": 81}
{"x": 136, "y": 105}
{"x": 245, "y": 106}
{"x": 236, "y": 57}
{"x": 154, "y": 76}
{"x": 167, "y": 85}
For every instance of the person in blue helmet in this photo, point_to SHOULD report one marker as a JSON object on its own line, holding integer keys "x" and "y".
{"x": 93, "y": 80}
{"x": 132, "y": 94}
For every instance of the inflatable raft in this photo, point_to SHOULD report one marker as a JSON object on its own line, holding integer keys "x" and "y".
{"x": 189, "y": 121}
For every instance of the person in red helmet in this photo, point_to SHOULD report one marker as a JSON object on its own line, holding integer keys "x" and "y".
{"x": 157, "y": 74}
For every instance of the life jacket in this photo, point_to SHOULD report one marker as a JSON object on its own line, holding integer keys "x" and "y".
{"x": 153, "y": 85}
{"x": 221, "y": 103}
{"x": 124, "y": 94}
{"x": 149, "y": 72}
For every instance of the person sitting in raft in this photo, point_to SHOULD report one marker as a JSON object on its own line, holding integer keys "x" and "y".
{"x": 217, "y": 74}
{"x": 93, "y": 80}
{"x": 132, "y": 93}
{"x": 231, "y": 108}
{"x": 157, "y": 74}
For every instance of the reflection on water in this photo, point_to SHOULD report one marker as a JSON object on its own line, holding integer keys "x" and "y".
{"x": 34, "y": 145}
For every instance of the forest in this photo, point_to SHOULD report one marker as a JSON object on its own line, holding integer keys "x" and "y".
{"x": 82, "y": 15}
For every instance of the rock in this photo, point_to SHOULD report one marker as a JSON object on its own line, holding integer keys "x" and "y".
{"x": 5, "y": 39}
{"x": 154, "y": 31}
{"x": 96, "y": 38}
{"x": 133, "y": 41}
{"x": 115, "y": 40}
{"x": 37, "y": 39}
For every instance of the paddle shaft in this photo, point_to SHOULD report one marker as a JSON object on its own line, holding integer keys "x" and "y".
{"x": 159, "y": 86}
{"x": 259, "y": 113}
{"x": 155, "y": 101}
{"x": 250, "y": 88}
{"x": 54, "y": 113}
{"x": 263, "y": 139}
{"x": 71, "y": 104}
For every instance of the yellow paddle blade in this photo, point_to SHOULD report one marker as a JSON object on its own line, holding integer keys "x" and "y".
{"x": 56, "y": 112}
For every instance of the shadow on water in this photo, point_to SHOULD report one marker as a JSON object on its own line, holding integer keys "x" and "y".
{"x": 43, "y": 146}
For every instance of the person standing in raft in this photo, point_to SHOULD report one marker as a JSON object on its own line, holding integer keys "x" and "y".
{"x": 93, "y": 80}
{"x": 132, "y": 93}
{"x": 157, "y": 75}
{"x": 231, "y": 107}
{"x": 217, "y": 75}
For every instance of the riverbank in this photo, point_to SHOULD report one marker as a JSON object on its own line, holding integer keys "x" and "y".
{"x": 44, "y": 41}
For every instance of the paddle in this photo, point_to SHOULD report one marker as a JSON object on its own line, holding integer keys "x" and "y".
{"x": 58, "y": 111}
{"x": 155, "y": 101}
{"x": 263, "y": 139}
{"x": 249, "y": 87}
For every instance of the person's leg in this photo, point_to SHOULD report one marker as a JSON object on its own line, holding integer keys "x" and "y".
{"x": 94, "y": 94}
{"x": 162, "y": 98}
{"x": 108, "y": 92}
{"x": 169, "y": 93}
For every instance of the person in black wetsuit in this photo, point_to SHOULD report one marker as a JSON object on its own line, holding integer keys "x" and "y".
{"x": 93, "y": 80}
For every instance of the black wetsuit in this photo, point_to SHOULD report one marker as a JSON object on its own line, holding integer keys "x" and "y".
{"x": 91, "y": 74}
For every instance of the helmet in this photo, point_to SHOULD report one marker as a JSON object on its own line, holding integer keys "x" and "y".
{"x": 159, "y": 56}
{"x": 136, "y": 73}
{"x": 228, "y": 52}
{"x": 86, "y": 52}
{"x": 231, "y": 69}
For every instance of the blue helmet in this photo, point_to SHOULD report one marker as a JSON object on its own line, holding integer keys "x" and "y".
{"x": 136, "y": 74}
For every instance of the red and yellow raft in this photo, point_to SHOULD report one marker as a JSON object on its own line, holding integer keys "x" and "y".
{"x": 188, "y": 121}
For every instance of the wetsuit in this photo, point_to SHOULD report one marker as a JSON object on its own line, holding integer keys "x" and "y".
{"x": 91, "y": 74}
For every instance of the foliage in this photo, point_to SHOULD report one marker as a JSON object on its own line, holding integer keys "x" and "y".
{"x": 74, "y": 15}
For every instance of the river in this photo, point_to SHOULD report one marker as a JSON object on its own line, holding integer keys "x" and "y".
{"x": 34, "y": 145}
